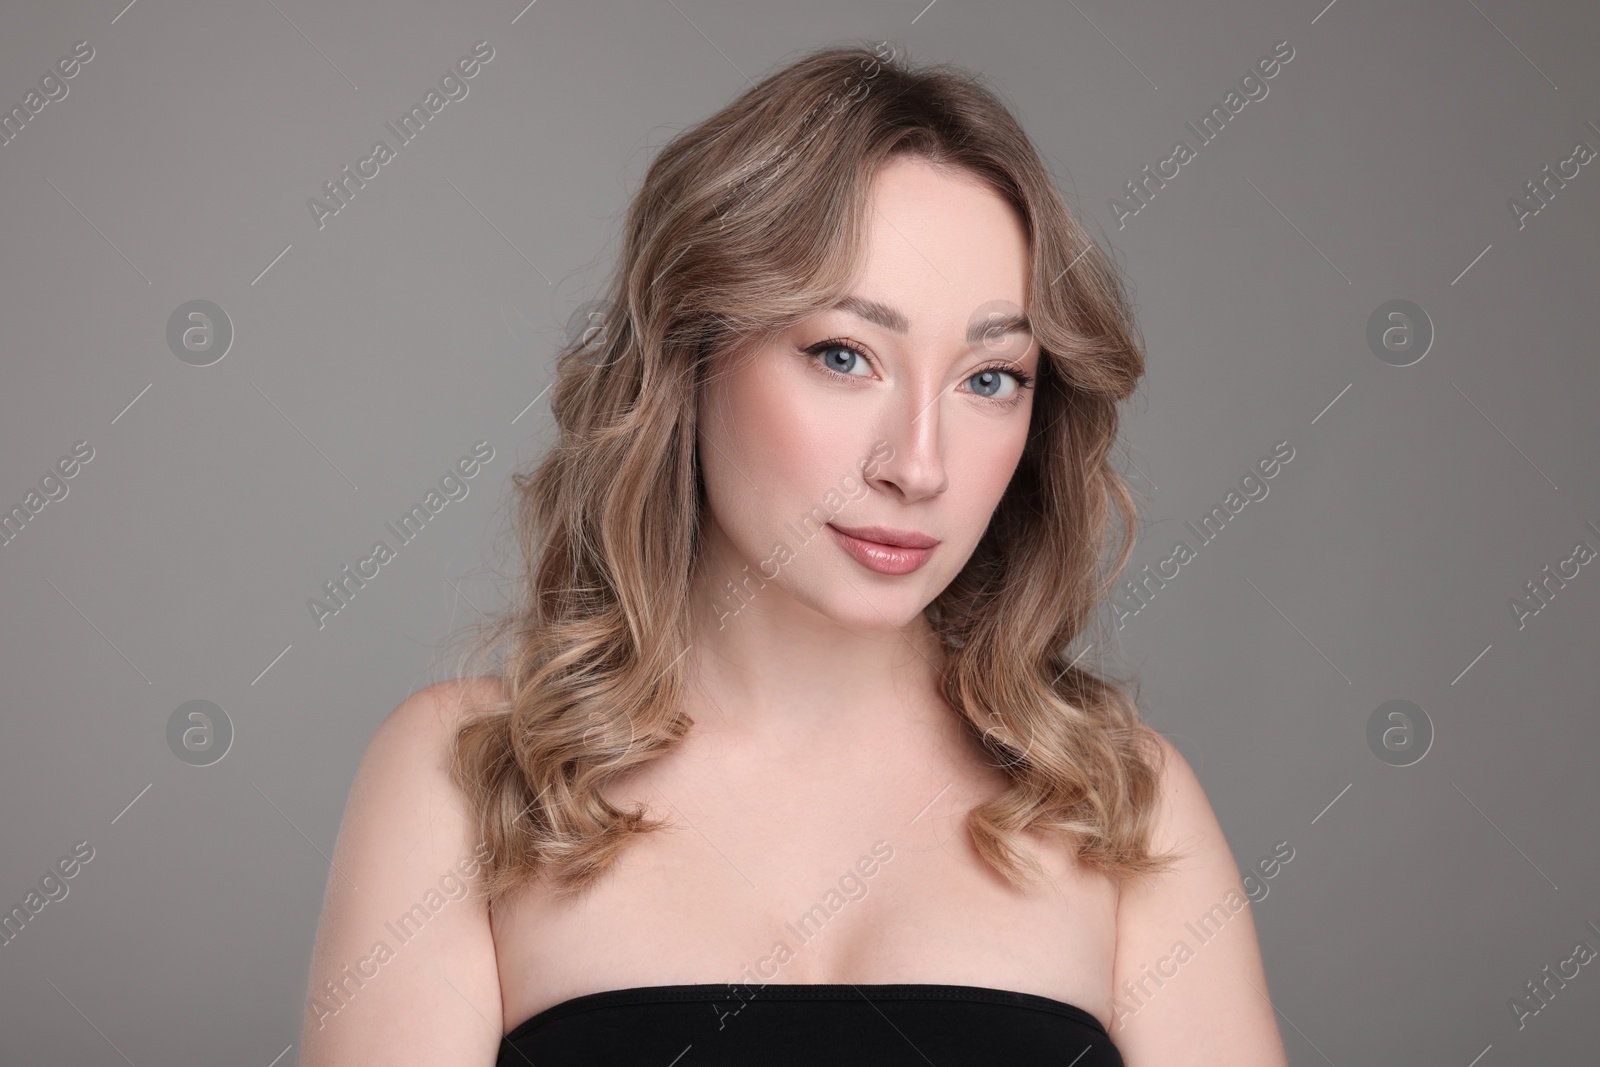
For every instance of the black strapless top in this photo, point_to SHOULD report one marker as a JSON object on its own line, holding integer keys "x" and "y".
{"x": 802, "y": 1025}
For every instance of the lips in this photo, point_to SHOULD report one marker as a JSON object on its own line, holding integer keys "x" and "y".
{"x": 884, "y": 557}
{"x": 883, "y": 535}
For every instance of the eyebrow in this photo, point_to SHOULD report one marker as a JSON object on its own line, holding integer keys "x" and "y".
{"x": 892, "y": 319}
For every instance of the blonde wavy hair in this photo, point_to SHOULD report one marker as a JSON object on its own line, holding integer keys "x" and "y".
{"x": 746, "y": 223}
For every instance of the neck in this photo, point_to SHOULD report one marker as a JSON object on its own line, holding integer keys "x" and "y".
{"x": 774, "y": 665}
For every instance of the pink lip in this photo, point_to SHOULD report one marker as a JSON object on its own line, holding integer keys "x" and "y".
{"x": 882, "y": 557}
{"x": 883, "y": 535}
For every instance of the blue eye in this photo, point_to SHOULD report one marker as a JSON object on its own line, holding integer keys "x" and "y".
{"x": 989, "y": 383}
{"x": 830, "y": 351}
{"x": 841, "y": 357}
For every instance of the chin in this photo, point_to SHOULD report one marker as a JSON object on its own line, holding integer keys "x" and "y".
{"x": 869, "y": 606}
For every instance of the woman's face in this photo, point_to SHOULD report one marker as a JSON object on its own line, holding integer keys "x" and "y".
{"x": 904, "y": 411}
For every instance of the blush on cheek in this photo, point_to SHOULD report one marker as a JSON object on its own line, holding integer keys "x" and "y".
{"x": 796, "y": 437}
{"x": 777, "y": 432}
{"x": 986, "y": 464}
{"x": 743, "y": 448}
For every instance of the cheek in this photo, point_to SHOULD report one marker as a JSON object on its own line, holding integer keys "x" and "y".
{"x": 776, "y": 432}
{"x": 767, "y": 450}
{"x": 983, "y": 459}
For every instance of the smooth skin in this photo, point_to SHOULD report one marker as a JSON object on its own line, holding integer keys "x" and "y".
{"x": 819, "y": 728}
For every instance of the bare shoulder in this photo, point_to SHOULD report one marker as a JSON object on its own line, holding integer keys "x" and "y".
{"x": 404, "y": 966}
{"x": 456, "y": 696}
{"x": 1188, "y": 983}
{"x": 1183, "y": 812}
{"x": 431, "y": 714}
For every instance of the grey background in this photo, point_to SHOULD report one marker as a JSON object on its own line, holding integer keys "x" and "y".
{"x": 375, "y": 351}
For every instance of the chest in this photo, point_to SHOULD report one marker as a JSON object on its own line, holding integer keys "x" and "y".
{"x": 850, "y": 873}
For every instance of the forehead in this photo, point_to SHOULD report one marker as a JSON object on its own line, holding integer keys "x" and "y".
{"x": 942, "y": 246}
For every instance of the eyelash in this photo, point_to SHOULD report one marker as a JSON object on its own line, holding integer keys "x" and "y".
{"x": 1023, "y": 378}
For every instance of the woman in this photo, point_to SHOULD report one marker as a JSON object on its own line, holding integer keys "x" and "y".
{"x": 786, "y": 759}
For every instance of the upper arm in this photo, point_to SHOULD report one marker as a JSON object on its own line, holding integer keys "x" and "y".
{"x": 1188, "y": 981}
{"x": 404, "y": 968}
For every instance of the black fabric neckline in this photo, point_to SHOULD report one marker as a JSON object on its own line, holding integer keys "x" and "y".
{"x": 800, "y": 991}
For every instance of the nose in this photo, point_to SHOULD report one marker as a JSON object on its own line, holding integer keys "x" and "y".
{"x": 916, "y": 469}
